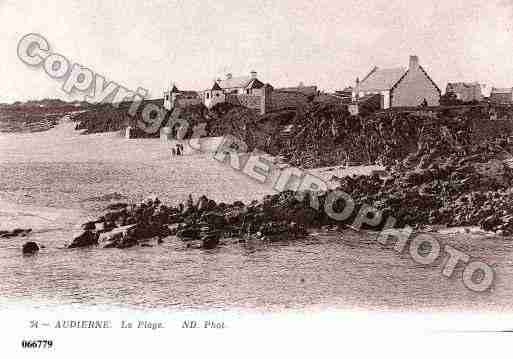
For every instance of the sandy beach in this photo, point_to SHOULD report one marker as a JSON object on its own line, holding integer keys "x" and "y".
{"x": 64, "y": 170}
{"x": 56, "y": 180}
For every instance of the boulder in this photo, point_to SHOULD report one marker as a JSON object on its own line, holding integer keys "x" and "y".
{"x": 89, "y": 226}
{"x": 86, "y": 239}
{"x": 211, "y": 240}
{"x": 30, "y": 248}
{"x": 116, "y": 206}
{"x": 189, "y": 233}
{"x": 214, "y": 219}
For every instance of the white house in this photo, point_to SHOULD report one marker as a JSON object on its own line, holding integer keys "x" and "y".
{"x": 245, "y": 85}
{"x": 399, "y": 87}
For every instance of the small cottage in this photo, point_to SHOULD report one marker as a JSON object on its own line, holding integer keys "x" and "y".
{"x": 399, "y": 87}
{"x": 245, "y": 85}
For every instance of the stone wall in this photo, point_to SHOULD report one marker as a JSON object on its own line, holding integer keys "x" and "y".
{"x": 282, "y": 100}
{"x": 268, "y": 100}
{"x": 184, "y": 102}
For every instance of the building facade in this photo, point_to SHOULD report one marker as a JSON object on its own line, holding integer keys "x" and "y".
{"x": 399, "y": 87}
{"x": 245, "y": 85}
{"x": 173, "y": 97}
{"x": 464, "y": 91}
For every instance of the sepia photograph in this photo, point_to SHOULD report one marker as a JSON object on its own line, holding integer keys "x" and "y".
{"x": 272, "y": 178}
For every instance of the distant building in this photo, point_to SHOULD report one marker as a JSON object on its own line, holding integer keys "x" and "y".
{"x": 399, "y": 87}
{"x": 346, "y": 94}
{"x": 173, "y": 96}
{"x": 465, "y": 92}
{"x": 306, "y": 90}
{"x": 245, "y": 85}
{"x": 501, "y": 95}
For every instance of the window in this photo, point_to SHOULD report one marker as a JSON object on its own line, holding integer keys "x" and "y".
{"x": 208, "y": 95}
{"x": 167, "y": 97}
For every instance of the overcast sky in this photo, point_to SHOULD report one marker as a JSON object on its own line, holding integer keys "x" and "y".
{"x": 327, "y": 43}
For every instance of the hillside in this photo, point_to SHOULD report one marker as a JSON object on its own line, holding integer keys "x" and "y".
{"x": 318, "y": 135}
{"x": 35, "y": 116}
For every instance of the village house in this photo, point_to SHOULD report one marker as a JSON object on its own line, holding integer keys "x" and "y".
{"x": 399, "y": 87}
{"x": 244, "y": 85}
{"x": 174, "y": 96}
{"x": 246, "y": 91}
{"x": 465, "y": 92}
{"x": 501, "y": 95}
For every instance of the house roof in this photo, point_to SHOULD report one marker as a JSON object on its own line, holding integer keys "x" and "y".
{"x": 236, "y": 82}
{"x": 382, "y": 79}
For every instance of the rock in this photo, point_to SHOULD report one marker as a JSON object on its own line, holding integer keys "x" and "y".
{"x": 15, "y": 233}
{"x": 211, "y": 240}
{"x": 280, "y": 231}
{"x": 30, "y": 248}
{"x": 86, "y": 239}
{"x": 116, "y": 206}
{"x": 189, "y": 234}
{"x": 214, "y": 219}
{"x": 113, "y": 238}
{"x": 89, "y": 226}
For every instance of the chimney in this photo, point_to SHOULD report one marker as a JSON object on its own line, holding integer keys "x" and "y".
{"x": 228, "y": 76}
{"x": 253, "y": 74}
{"x": 414, "y": 62}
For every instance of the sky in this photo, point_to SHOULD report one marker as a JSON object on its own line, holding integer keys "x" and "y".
{"x": 325, "y": 43}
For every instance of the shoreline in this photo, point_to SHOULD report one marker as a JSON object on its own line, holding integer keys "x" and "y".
{"x": 37, "y": 218}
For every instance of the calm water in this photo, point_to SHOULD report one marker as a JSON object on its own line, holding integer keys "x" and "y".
{"x": 326, "y": 270}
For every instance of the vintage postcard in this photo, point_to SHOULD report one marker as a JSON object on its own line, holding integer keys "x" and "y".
{"x": 256, "y": 178}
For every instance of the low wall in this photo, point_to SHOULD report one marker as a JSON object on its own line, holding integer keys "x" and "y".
{"x": 184, "y": 102}
{"x": 248, "y": 101}
{"x": 280, "y": 100}
{"x": 275, "y": 101}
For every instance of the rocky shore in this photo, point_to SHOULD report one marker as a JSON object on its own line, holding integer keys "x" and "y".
{"x": 443, "y": 183}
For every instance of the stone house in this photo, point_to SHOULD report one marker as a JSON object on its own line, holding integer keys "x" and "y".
{"x": 399, "y": 87}
{"x": 244, "y": 85}
{"x": 173, "y": 96}
{"x": 250, "y": 92}
{"x": 465, "y": 91}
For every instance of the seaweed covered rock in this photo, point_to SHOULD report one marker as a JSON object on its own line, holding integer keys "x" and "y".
{"x": 86, "y": 239}
{"x": 30, "y": 248}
